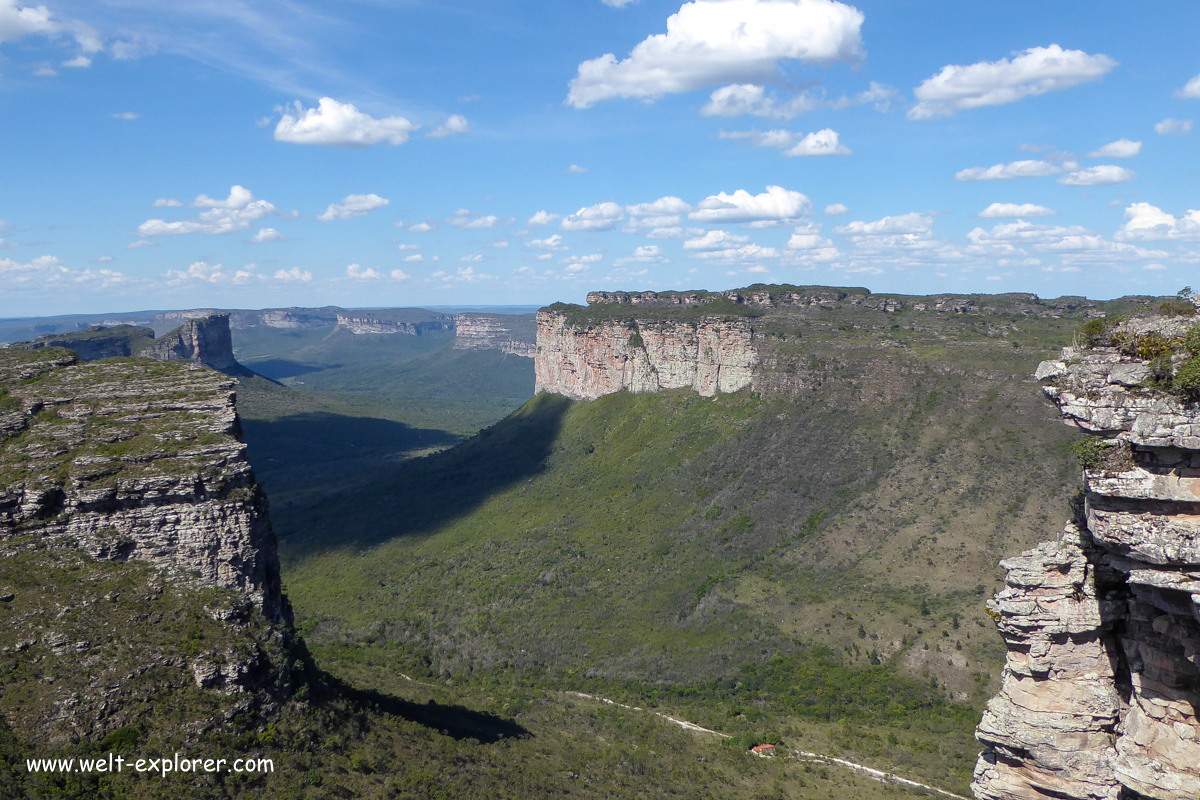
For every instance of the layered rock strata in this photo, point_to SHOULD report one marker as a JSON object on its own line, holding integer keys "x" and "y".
{"x": 383, "y": 323}
{"x": 514, "y": 335}
{"x": 1101, "y": 690}
{"x": 135, "y": 460}
{"x": 202, "y": 340}
{"x": 587, "y": 361}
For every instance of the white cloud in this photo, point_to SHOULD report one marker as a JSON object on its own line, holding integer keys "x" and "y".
{"x": 549, "y": 243}
{"x": 1103, "y": 175}
{"x": 46, "y": 272}
{"x": 833, "y": 209}
{"x": 415, "y": 258}
{"x": 455, "y": 125}
{"x": 293, "y": 275}
{"x": 340, "y": 124}
{"x": 710, "y": 42}
{"x": 746, "y": 252}
{"x": 1145, "y": 222}
{"x": 1015, "y": 169}
{"x": 104, "y": 260}
{"x": 904, "y": 224}
{"x": 808, "y": 237}
{"x": 775, "y": 204}
{"x": 408, "y": 247}
{"x": 714, "y": 240}
{"x": 821, "y": 143}
{"x": 139, "y": 244}
{"x": 542, "y": 218}
{"x": 353, "y": 205}
{"x": 421, "y": 227}
{"x": 1075, "y": 245}
{"x": 1035, "y": 71}
{"x": 749, "y": 98}
{"x": 1012, "y": 210}
{"x": 647, "y": 254}
{"x": 1191, "y": 89}
{"x": 472, "y": 257}
{"x": 165, "y": 202}
{"x": 600, "y": 217}
{"x": 267, "y": 235}
{"x": 211, "y": 273}
{"x": 400, "y": 275}
{"x": 617, "y": 3}
{"x": 1121, "y": 148}
{"x": 463, "y": 221}
{"x": 500, "y": 244}
{"x": 1155, "y": 267}
{"x": 358, "y": 273}
{"x": 575, "y": 169}
{"x": 18, "y": 22}
{"x": 230, "y": 215}
{"x": 666, "y": 212}
{"x": 1171, "y": 125}
{"x": 672, "y": 232}
{"x": 125, "y": 115}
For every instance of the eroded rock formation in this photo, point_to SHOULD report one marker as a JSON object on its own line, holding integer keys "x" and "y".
{"x": 1101, "y": 690}
{"x": 385, "y": 322}
{"x": 514, "y": 335}
{"x": 135, "y": 460}
{"x": 586, "y": 361}
{"x": 201, "y": 340}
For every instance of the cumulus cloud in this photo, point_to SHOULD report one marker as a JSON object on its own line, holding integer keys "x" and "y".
{"x": 1191, "y": 89}
{"x": 820, "y": 143}
{"x": 646, "y": 254}
{"x": 232, "y": 214}
{"x": 665, "y": 212}
{"x": 20, "y": 22}
{"x": 1121, "y": 148}
{"x": 748, "y": 98}
{"x": 202, "y": 271}
{"x": 455, "y": 125}
{"x": 1035, "y": 71}
{"x": 267, "y": 235}
{"x": 833, "y": 209}
{"x": 1171, "y": 125}
{"x": 1003, "y": 210}
{"x": 1015, "y": 169}
{"x": 400, "y": 275}
{"x": 600, "y": 217}
{"x": 340, "y": 124}
{"x": 167, "y": 202}
{"x": 464, "y": 221}
{"x": 745, "y": 252}
{"x": 554, "y": 242}
{"x": 776, "y": 204}
{"x": 1146, "y": 222}
{"x": 415, "y": 258}
{"x": 541, "y": 218}
{"x": 671, "y": 232}
{"x": 139, "y": 244}
{"x": 500, "y": 244}
{"x": 358, "y": 273}
{"x": 1075, "y": 244}
{"x": 711, "y": 42}
{"x": 293, "y": 275}
{"x": 575, "y": 169}
{"x": 1103, "y": 175}
{"x": 421, "y": 227}
{"x": 617, "y": 3}
{"x": 125, "y": 115}
{"x": 904, "y": 224}
{"x": 47, "y": 272}
{"x": 353, "y": 205}
{"x": 714, "y": 240}
{"x": 808, "y": 238}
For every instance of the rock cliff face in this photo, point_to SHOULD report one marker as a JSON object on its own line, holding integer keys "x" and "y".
{"x": 97, "y": 341}
{"x": 201, "y": 340}
{"x": 135, "y": 460}
{"x": 515, "y": 335}
{"x": 1101, "y": 692}
{"x": 383, "y": 323}
{"x": 711, "y": 355}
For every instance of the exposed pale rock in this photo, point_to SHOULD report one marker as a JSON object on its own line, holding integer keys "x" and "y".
{"x": 201, "y": 340}
{"x": 514, "y": 335}
{"x": 712, "y": 356}
{"x": 1102, "y": 682}
{"x": 366, "y": 323}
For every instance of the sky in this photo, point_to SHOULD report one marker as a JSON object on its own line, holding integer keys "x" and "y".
{"x": 373, "y": 153}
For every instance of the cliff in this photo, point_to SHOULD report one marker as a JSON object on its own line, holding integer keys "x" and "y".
{"x": 97, "y": 341}
{"x": 514, "y": 335}
{"x": 202, "y": 340}
{"x": 1101, "y": 689}
{"x": 133, "y": 460}
{"x": 398, "y": 321}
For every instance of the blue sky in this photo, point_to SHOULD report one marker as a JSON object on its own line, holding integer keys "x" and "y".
{"x": 377, "y": 153}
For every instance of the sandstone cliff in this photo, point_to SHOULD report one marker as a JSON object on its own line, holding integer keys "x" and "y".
{"x": 514, "y": 335}
{"x": 202, "y": 340}
{"x": 391, "y": 322}
{"x": 1101, "y": 691}
{"x": 95, "y": 342}
{"x": 135, "y": 460}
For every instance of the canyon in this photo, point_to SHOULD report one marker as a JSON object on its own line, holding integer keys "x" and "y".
{"x": 1101, "y": 689}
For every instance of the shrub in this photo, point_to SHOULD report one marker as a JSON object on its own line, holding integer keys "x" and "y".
{"x": 1177, "y": 308}
{"x": 1191, "y": 340}
{"x": 1187, "y": 379}
{"x": 1098, "y": 332}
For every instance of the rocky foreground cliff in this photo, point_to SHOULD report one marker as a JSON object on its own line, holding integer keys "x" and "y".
{"x": 720, "y": 342}
{"x": 1101, "y": 691}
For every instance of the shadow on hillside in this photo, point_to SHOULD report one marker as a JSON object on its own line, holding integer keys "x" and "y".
{"x": 425, "y": 493}
{"x": 279, "y": 368}
{"x": 457, "y": 722}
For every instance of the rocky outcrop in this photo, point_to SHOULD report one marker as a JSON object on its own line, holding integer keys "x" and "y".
{"x": 201, "y": 340}
{"x": 513, "y": 335}
{"x": 135, "y": 460}
{"x": 1101, "y": 690}
{"x": 586, "y": 361}
{"x": 386, "y": 323}
{"x": 96, "y": 341}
